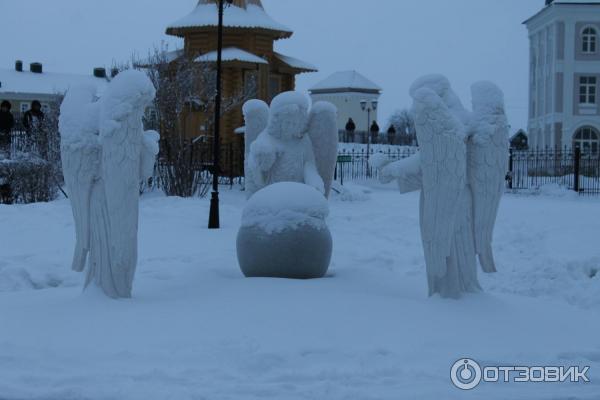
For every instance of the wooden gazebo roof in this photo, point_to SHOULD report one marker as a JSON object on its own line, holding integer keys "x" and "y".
{"x": 243, "y": 14}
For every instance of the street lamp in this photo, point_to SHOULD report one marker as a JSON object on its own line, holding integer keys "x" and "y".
{"x": 213, "y": 219}
{"x": 365, "y": 106}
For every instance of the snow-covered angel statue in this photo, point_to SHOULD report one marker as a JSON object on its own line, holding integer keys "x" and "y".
{"x": 460, "y": 171}
{"x": 289, "y": 143}
{"x": 105, "y": 154}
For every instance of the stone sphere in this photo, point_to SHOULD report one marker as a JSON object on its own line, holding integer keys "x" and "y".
{"x": 284, "y": 234}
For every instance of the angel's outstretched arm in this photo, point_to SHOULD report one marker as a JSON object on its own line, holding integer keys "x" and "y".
{"x": 407, "y": 172}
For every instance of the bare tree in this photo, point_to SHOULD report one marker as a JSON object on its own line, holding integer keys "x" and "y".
{"x": 404, "y": 123}
{"x": 185, "y": 87}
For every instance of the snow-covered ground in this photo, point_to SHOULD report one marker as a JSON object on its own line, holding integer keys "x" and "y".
{"x": 196, "y": 329}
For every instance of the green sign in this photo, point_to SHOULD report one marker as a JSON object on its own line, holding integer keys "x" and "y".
{"x": 344, "y": 159}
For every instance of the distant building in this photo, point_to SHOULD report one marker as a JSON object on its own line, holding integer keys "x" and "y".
{"x": 519, "y": 141}
{"x": 564, "y": 108}
{"x": 345, "y": 90}
{"x": 21, "y": 86}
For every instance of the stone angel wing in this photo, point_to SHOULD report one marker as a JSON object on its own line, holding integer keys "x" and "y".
{"x": 443, "y": 166}
{"x": 80, "y": 153}
{"x": 323, "y": 134}
{"x": 122, "y": 140}
{"x": 256, "y": 116}
{"x": 487, "y": 165}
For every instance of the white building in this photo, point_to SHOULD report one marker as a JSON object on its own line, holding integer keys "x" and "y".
{"x": 564, "y": 75}
{"x": 21, "y": 86}
{"x": 345, "y": 90}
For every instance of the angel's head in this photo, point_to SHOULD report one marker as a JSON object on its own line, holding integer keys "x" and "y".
{"x": 487, "y": 98}
{"x": 441, "y": 86}
{"x": 289, "y": 116}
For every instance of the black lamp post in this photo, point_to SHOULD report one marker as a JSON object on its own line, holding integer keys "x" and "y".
{"x": 214, "y": 220}
{"x": 368, "y": 108}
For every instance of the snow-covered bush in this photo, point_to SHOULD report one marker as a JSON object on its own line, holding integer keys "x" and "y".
{"x": 27, "y": 180}
{"x": 31, "y": 172}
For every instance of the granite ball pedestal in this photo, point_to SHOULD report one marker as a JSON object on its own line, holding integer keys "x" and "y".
{"x": 284, "y": 234}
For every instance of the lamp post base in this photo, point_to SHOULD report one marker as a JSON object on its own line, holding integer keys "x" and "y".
{"x": 213, "y": 219}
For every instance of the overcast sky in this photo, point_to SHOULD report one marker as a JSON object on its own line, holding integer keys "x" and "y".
{"x": 392, "y": 42}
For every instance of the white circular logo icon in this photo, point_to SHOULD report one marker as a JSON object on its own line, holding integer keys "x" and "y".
{"x": 466, "y": 374}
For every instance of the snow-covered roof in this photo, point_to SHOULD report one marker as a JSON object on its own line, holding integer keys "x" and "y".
{"x": 577, "y": 2}
{"x": 232, "y": 54}
{"x": 296, "y": 63}
{"x": 350, "y": 81}
{"x": 49, "y": 83}
{"x": 173, "y": 55}
{"x": 242, "y": 14}
{"x": 562, "y": 2}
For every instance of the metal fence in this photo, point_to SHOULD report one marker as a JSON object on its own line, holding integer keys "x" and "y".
{"x": 570, "y": 168}
{"x": 356, "y": 164}
{"x": 362, "y": 137}
{"x": 527, "y": 170}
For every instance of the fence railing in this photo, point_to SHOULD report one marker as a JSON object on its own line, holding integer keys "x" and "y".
{"x": 362, "y": 137}
{"x": 571, "y": 168}
{"x": 527, "y": 170}
{"x": 357, "y": 165}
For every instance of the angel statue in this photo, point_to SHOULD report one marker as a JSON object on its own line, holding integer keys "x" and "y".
{"x": 460, "y": 170}
{"x": 289, "y": 143}
{"x": 105, "y": 155}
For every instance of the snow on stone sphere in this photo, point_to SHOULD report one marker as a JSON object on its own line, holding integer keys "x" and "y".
{"x": 285, "y": 205}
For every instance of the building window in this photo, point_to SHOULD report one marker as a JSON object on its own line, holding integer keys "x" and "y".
{"x": 587, "y": 139}
{"x": 251, "y": 83}
{"x": 590, "y": 40}
{"x": 587, "y": 90}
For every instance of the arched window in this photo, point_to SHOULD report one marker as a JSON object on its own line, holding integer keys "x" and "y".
{"x": 587, "y": 139}
{"x": 589, "y": 40}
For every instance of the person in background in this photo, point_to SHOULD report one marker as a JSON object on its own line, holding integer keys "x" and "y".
{"x": 33, "y": 121}
{"x": 7, "y": 122}
{"x": 33, "y": 118}
{"x": 391, "y": 134}
{"x": 374, "y": 132}
{"x": 350, "y": 128}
